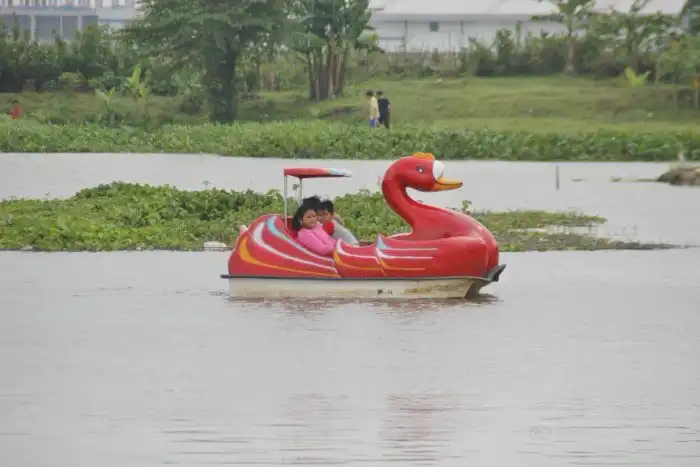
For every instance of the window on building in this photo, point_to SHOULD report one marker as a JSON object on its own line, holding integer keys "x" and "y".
{"x": 434, "y": 26}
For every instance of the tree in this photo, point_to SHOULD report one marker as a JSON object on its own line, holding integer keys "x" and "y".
{"x": 328, "y": 32}
{"x": 683, "y": 58}
{"x": 630, "y": 34}
{"x": 213, "y": 35}
{"x": 573, "y": 14}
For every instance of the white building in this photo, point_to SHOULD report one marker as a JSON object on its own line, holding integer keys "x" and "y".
{"x": 117, "y": 13}
{"x": 447, "y": 25}
{"x": 63, "y": 17}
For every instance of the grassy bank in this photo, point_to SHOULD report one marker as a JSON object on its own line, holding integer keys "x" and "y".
{"x": 530, "y": 104}
{"x": 545, "y": 119}
{"x": 123, "y": 216}
{"x": 534, "y": 104}
{"x": 322, "y": 140}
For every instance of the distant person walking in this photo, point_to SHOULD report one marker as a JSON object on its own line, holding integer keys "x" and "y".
{"x": 373, "y": 109}
{"x": 16, "y": 111}
{"x": 384, "y": 109}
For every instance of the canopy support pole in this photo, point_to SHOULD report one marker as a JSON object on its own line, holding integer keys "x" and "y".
{"x": 286, "y": 208}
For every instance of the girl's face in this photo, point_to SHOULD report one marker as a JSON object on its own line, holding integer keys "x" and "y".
{"x": 309, "y": 220}
{"x": 324, "y": 216}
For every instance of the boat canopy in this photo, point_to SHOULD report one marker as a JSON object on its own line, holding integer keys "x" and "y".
{"x": 315, "y": 172}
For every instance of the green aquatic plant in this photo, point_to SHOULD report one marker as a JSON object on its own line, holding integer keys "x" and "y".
{"x": 123, "y": 216}
{"x": 321, "y": 140}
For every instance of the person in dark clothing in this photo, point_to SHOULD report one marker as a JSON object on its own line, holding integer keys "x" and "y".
{"x": 384, "y": 109}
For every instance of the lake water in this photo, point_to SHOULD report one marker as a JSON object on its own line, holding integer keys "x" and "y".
{"x": 644, "y": 211}
{"x": 140, "y": 359}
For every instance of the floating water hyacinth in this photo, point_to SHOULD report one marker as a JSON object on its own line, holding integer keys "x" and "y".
{"x": 107, "y": 217}
{"x": 322, "y": 140}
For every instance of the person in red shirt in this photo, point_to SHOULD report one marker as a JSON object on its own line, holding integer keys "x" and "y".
{"x": 16, "y": 111}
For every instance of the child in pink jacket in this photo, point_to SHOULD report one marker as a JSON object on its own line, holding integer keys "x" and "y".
{"x": 310, "y": 232}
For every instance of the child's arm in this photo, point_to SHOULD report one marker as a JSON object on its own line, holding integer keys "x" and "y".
{"x": 329, "y": 228}
{"x": 311, "y": 243}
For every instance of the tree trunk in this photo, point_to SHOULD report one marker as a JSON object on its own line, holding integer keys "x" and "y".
{"x": 333, "y": 90}
{"x": 258, "y": 74}
{"x": 321, "y": 85}
{"x": 569, "y": 67}
{"x": 220, "y": 82}
{"x": 317, "y": 79}
{"x": 326, "y": 69}
{"x": 570, "y": 47}
{"x": 675, "y": 94}
{"x": 311, "y": 75}
{"x": 633, "y": 57}
{"x": 342, "y": 70}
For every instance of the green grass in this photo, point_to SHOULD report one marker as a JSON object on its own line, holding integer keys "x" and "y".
{"x": 533, "y": 104}
{"x": 547, "y": 104}
{"x": 78, "y": 107}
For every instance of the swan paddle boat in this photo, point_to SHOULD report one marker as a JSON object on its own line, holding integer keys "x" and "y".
{"x": 447, "y": 254}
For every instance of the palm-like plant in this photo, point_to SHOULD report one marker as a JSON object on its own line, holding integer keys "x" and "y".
{"x": 573, "y": 14}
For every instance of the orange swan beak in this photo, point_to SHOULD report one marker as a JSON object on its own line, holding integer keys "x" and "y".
{"x": 444, "y": 184}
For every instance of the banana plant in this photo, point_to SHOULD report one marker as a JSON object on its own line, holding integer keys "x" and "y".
{"x": 139, "y": 90}
{"x": 635, "y": 80}
{"x": 106, "y": 98}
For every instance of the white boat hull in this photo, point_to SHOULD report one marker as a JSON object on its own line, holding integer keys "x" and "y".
{"x": 437, "y": 288}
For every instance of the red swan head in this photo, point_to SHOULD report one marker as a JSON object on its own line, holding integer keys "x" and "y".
{"x": 421, "y": 172}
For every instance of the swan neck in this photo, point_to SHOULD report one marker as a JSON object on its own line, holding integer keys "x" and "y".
{"x": 398, "y": 200}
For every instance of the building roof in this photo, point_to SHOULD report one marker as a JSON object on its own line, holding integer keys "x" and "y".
{"x": 669, "y": 7}
{"x": 397, "y": 9}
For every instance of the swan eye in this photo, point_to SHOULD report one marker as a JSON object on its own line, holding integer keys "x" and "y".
{"x": 438, "y": 170}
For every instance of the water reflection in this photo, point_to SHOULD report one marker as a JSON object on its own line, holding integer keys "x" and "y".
{"x": 193, "y": 444}
{"x": 314, "y": 429}
{"x": 410, "y": 306}
{"x": 422, "y": 428}
{"x": 295, "y": 306}
{"x": 612, "y": 434}
{"x": 576, "y": 358}
{"x": 400, "y": 306}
